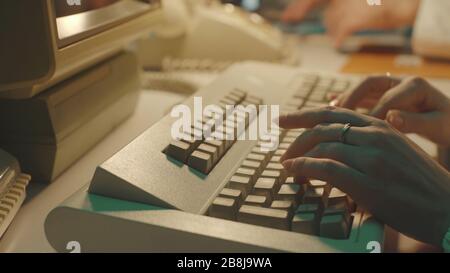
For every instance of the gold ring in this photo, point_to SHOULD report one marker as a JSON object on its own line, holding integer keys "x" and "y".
{"x": 345, "y": 130}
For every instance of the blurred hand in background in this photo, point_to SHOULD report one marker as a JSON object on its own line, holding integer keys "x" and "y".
{"x": 344, "y": 17}
{"x": 411, "y": 105}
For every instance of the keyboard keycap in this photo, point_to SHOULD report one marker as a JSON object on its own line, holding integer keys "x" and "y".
{"x": 334, "y": 226}
{"x": 275, "y": 166}
{"x": 219, "y": 144}
{"x": 280, "y": 152}
{"x": 339, "y": 199}
{"x": 257, "y": 157}
{"x": 290, "y": 192}
{"x": 247, "y": 172}
{"x": 265, "y": 187}
{"x": 275, "y": 159}
{"x": 273, "y": 218}
{"x": 256, "y": 165}
{"x": 233, "y": 194}
{"x": 277, "y": 175}
{"x": 224, "y": 208}
{"x": 289, "y": 180}
{"x": 284, "y": 205}
{"x": 257, "y": 200}
{"x": 179, "y": 150}
{"x": 212, "y": 150}
{"x": 315, "y": 196}
{"x": 304, "y": 223}
{"x": 201, "y": 161}
{"x": 242, "y": 183}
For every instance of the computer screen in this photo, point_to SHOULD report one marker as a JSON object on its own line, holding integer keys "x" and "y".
{"x": 79, "y": 19}
{"x": 70, "y": 7}
{"x": 53, "y": 39}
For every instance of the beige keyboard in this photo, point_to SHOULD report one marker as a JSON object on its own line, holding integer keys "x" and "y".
{"x": 223, "y": 195}
{"x": 260, "y": 192}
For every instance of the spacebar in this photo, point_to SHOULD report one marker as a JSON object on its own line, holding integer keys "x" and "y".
{"x": 272, "y": 218}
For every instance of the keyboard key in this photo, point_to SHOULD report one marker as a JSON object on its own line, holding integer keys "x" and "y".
{"x": 228, "y": 101}
{"x": 318, "y": 96}
{"x": 224, "y": 208}
{"x": 256, "y": 165}
{"x": 280, "y": 152}
{"x": 239, "y": 93}
{"x": 277, "y": 175}
{"x": 315, "y": 196}
{"x": 219, "y": 144}
{"x": 235, "y": 98}
{"x": 289, "y": 139}
{"x": 273, "y": 218}
{"x": 257, "y": 200}
{"x": 201, "y": 161}
{"x": 265, "y": 187}
{"x": 256, "y": 157}
{"x": 275, "y": 167}
{"x": 334, "y": 226}
{"x": 317, "y": 183}
{"x": 290, "y": 192}
{"x": 275, "y": 159}
{"x": 233, "y": 194}
{"x": 284, "y": 205}
{"x": 247, "y": 172}
{"x": 320, "y": 184}
{"x": 179, "y": 150}
{"x": 314, "y": 208}
{"x": 304, "y": 223}
{"x": 337, "y": 198}
{"x": 293, "y": 134}
{"x": 289, "y": 180}
{"x": 242, "y": 183}
{"x": 254, "y": 100}
{"x": 212, "y": 150}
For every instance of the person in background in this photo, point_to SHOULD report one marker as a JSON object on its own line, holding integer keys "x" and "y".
{"x": 429, "y": 19}
{"x": 369, "y": 156}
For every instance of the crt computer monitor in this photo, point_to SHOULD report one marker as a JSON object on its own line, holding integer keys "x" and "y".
{"x": 43, "y": 42}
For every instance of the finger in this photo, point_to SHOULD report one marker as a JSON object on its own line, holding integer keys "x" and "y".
{"x": 336, "y": 173}
{"x": 311, "y": 117}
{"x": 340, "y": 152}
{"x": 298, "y": 10}
{"x": 409, "y": 122}
{"x": 299, "y": 179}
{"x": 324, "y": 133}
{"x": 409, "y": 95}
{"x": 374, "y": 85}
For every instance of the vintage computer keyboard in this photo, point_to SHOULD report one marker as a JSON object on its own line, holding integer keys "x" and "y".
{"x": 163, "y": 194}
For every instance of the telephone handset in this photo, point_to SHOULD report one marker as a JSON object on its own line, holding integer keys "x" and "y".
{"x": 208, "y": 35}
{"x": 13, "y": 185}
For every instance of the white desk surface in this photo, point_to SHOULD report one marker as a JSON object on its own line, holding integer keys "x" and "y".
{"x": 26, "y": 233}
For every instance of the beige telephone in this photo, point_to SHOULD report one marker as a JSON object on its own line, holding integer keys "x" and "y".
{"x": 207, "y": 35}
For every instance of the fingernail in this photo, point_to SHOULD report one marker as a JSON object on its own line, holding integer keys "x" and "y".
{"x": 334, "y": 102}
{"x": 287, "y": 164}
{"x": 395, "y": 120}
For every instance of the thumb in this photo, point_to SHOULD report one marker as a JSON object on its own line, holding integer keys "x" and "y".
{"x": 409, "y": 122}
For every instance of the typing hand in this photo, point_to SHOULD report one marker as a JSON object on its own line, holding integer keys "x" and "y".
{"x": 344, "y": 17}
{"x": 411, "y": 105}
{"x": 379, "y": 167}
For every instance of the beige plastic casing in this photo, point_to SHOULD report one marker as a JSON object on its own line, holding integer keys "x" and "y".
{"x": 96, "y": 41}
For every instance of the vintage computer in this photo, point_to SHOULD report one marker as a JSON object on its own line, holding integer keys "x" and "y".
{"x": 65, "y": 78}
{"x": 69, "y": 81}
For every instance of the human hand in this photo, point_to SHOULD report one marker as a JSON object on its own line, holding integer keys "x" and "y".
{"x": 411, "y": 105}
{"x": 344, "y": 17}
{"x": 381, "y": 169}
